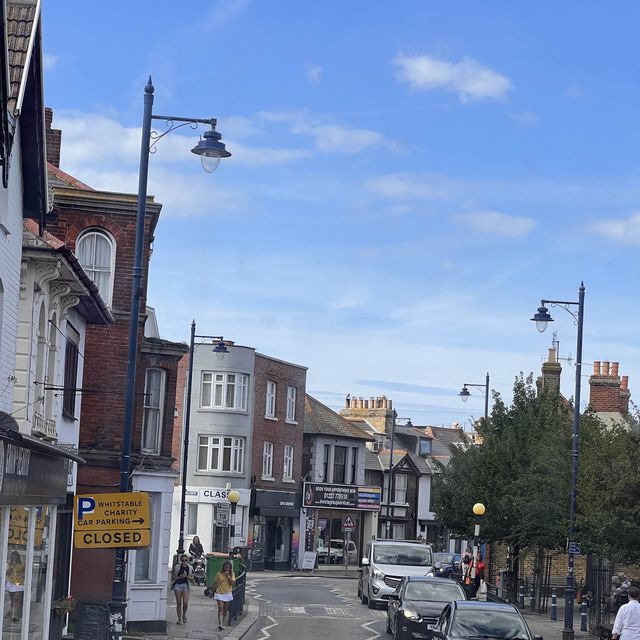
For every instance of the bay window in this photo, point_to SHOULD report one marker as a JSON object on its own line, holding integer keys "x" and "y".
{"x": 221, "y": 453}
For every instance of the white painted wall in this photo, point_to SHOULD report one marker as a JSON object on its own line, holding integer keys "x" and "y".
{"x": 10, "y": 255}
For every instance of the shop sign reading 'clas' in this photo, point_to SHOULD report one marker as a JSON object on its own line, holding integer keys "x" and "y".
{"x": 341, "y": 496}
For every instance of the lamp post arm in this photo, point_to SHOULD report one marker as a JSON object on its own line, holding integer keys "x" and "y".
{"x": 210, "y": 121}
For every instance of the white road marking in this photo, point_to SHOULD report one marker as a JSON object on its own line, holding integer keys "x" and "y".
{"x": 366, "y": 627}
{"x": 265, "y": 631}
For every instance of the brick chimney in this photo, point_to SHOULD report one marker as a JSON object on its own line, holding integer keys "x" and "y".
{"x": 53, "y": 138}
{"x": 551, "y": 370}
{"x": 625, "y": 396}
{"x": 605, "y": 388}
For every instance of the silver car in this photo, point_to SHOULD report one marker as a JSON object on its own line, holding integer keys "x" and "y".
{"x": 384, "y": 565}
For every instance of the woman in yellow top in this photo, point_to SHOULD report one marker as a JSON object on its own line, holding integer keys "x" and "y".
{"x": 225, "y": 581}
{"x": 15, "y": 585}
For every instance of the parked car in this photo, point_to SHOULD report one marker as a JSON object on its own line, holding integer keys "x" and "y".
{"x": 334, "y": 553}
{"x": 385, "y": 563}
{"x": 419, "y": 601}
{"x": 444, "y": 565}
{"x": 470, "y": 620}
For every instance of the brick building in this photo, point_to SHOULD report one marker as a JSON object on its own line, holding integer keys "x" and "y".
{"x": 278, "y": 424}
{"x": 99, "y": 227}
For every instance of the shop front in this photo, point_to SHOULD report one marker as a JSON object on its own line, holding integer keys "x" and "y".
{"x": 274, "y": 537}
{"x": 337, "y": 520}
{"x": 33, "y": 485}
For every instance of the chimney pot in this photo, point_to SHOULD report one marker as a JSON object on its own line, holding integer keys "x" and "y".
{"x": 625, "y": 382}
{"x": 605, "y": 367}
{"x": 614, "y": 369}
{"x": 552, "y": 355}
{"x": 596, "y": 368}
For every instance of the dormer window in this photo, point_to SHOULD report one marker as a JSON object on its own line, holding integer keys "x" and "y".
{"x": 425, "y": 446}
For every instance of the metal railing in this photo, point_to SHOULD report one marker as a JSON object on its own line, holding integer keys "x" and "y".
{"x": 236, "y": 606}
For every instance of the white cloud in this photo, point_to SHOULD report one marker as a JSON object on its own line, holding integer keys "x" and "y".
{"x": 626, "y": 231}
{"x": 314, "y": 73}
{"x": 329, "y": 138}
{"x": 405, "y": 186}
{"x": 468, "y": 78}
{"x": 526, "y": 118}
{"x": 264, "y": 156}
{"x": 49, "y": 61}
{"x": 497, "y": 224}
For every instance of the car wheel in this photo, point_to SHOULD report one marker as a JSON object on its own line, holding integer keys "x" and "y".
{"x": 370, "y": 603}
{"x": 359, "y": 589}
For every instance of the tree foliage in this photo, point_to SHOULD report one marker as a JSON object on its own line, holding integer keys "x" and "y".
{"x": 522, "y": 473}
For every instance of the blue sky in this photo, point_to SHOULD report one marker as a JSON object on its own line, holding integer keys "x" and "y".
{"x": 407, "y": 181}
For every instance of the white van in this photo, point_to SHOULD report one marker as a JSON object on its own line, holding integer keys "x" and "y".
{"x": 384, "y": 565}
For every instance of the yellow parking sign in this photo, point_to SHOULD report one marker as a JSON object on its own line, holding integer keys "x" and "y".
{"x": 111, "y": 520}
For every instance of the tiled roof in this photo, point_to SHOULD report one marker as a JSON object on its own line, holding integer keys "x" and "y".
{"x": 372, "y": 461}
{"x": 444, "y": 437}
{"x": 422, "y": 464}
{"x": 320, "y": 419}
{"x": 21, "y": 21}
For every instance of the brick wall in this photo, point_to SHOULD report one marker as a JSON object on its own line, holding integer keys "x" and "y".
{"x": 277, "y": 431}
{"x": 607, "y": 391}
{"x": 178, "y": 421}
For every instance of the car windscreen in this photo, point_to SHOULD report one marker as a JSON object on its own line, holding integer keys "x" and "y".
{"x": 403, "y": 554}
{"x": 434, "y": 591}
{"x": 445, "y": 558}
{"x": 336, "y": 544}
{"x": 493, "y": 623}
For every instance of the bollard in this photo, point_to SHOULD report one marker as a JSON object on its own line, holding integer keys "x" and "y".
{"x": 554, "y": 605}
{"x": 532, "y": 599}
{"x": 583, "y": 615}
{"x": 521, "y": 594}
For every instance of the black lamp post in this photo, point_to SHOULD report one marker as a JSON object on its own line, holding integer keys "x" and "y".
{"x": 233, "y": 497}
{"x": 465, "y": 395}
{"x": 211, "y": 150}
{"x": 542, "y": 318}
{"x": 220, "y": 349}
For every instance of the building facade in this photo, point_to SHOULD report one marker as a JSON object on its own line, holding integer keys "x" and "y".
{"x": 278, "y": 424}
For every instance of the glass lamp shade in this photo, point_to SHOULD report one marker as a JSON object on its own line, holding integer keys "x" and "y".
{"x": 209, "y": 163}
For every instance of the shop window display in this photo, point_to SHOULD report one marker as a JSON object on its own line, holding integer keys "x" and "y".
{"x": 15, "y": 572}
{"x": 38, "y": 570}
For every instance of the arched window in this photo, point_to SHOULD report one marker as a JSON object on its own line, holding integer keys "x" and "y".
{"x": 153, "y": 411}
{"x": 96, "y": 253}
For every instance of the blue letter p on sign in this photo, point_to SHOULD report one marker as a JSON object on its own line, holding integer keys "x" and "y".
{"x": 85, "y": 506}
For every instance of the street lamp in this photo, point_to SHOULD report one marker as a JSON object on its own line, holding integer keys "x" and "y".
{"x": 233, "y": 497}
{"x": 465, "y": 395}
{"x": 220, "y": 350}
{"x": 210, "y": 147}
{"x": 542, "y": 319}
{"x": 390, "y": 482}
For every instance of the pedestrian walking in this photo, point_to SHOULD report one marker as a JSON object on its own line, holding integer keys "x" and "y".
{"x": 466, "y": 566}
{"x": 182, "y": 577}
{"x": 195, "y": 548}
{"x": 480, "y": 569}
{"x": 627, "y": 623}
{"x": 225, "y": 581}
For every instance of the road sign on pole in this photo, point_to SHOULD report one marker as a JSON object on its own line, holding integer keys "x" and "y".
{"x": 348, "y": 524}
{"x": 223, "y": 510}
{"x": 112, "y": 520}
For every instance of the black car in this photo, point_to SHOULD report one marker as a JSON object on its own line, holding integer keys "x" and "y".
{"x": 444, "y": 565}
{"x": 417, "y": 602}
{"x": 473, "y": 620}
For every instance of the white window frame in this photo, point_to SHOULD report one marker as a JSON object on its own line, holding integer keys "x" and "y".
{"x": 267, "y": 461}
{"x": 292, "y": 394}
{"x": 159, "y": 410}
{"x": 218, "y": 443}
{"x": 399, "y": 530}
{"x": 400, "y": 484}
{"x": 104, "y": 234}
{"x": 151, "y": 553}
{"x": 192, "y": 518}
{"x": 270, "y": 400}
{"x": 287, "y": 466}
{"x": 220, "y": 384}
